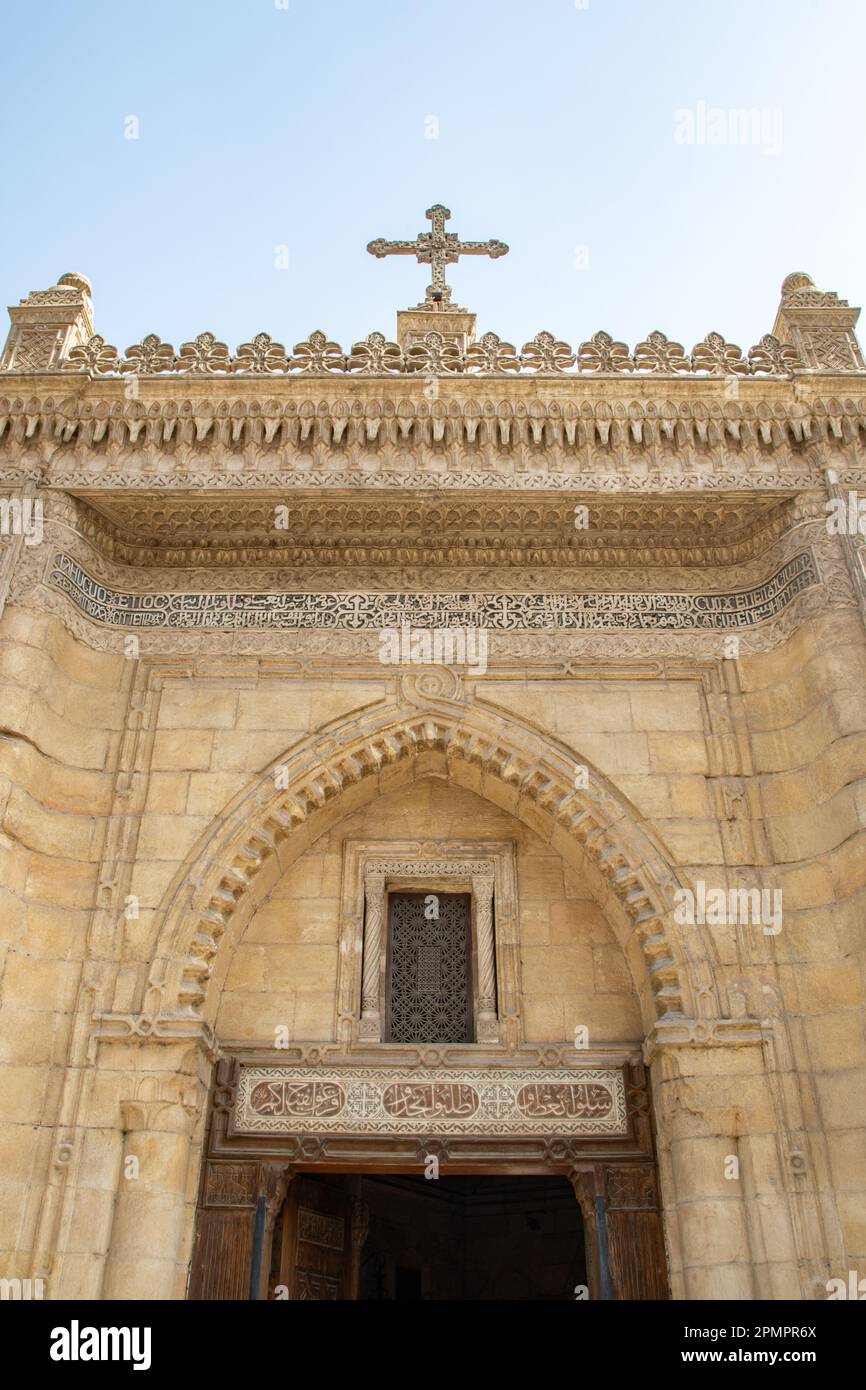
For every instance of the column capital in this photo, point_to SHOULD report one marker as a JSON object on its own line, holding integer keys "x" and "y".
{"x": 167, "y": 1105}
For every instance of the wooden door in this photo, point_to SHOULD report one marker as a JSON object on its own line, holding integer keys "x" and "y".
{"x": 316, "y": 1241}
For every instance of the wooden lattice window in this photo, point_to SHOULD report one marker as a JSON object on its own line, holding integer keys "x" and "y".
{"x": 429, "y": 994}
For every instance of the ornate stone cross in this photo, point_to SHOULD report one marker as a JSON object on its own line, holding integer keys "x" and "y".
{"x": 437, "y": 248}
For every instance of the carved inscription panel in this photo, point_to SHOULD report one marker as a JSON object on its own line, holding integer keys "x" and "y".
{"x": 381, "y": 1100}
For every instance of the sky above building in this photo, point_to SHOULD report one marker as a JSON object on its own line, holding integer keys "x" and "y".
{"x": 221, "y": 166}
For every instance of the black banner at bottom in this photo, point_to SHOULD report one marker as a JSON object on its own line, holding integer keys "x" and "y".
{"x": 266, "y": 1338}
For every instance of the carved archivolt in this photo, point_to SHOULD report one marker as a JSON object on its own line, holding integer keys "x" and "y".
{"x": 535, "y": 777}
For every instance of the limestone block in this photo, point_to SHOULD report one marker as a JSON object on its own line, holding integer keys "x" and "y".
{"x": 693, "y": 841}
{"x": 795, "y": 745}
{"x": 847, "y": 711}
{"x": 610, "y": 971}
{"x": 302, "y": 880}
{"x": 197, "y": 706}
{"x": 846, "y": 1149}
{"x": 584, "y": 709}
{"x": 649, "y": 794}
{"x": 314, "y": 1016}
{"x": 616, "y": 753}
{"x": 22, "y": 1095}
{"x": 552, "y": 969}
{"x": 779, "y": 664}
{"x": 700, "y": 1166}
{"x": 337, "y": 702}
{"x": 534, "y": 922}
{"x": 823, "y": 988}
{"x": 302, "y": 920}
{"x": 26, "y": 1034}
{"x": 543, "y": 1017}
{"x": 666, "y": 706}
{"x": 842, "y": 1098}
{"x": 541, "y": 877}
{"x": 90, "y": 1227}
{"x": 837, "y": 1041}
{"x": 276, "y": 706}
{"x": 852, "y": 1214}
{"x": 805, "y": 885}
{"x": 210, "y": 792}
{"x": 167, "y": 793}
{"x": 169, "y": 837}
{"x": 677, "y": 753}
{"x": 256, "y": 1016}
{"x": 48, "y": 832}
{"x": 182, "y": 750}
{"x": 62, "y": 881}
{"x": 712, "y": 1282}
{"x": 716, "y": 1225}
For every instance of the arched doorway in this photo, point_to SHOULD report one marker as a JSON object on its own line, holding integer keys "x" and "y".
{"x": 541, "y": 1110}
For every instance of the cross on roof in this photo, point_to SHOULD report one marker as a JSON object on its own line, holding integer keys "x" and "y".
{"x": 437, "y": 248}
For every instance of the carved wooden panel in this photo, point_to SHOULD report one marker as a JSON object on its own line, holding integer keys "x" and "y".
{"x": 635, "y": 1235}
{"x": 222, "y": 1252}
{"x": 316, "y": 1241}
{"x": 637, "y": 1254}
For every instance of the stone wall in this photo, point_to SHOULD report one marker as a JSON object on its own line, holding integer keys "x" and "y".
{"x": 112, "y": 781}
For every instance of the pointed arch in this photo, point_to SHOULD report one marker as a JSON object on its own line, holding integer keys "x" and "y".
{"x": 354, "y": 759}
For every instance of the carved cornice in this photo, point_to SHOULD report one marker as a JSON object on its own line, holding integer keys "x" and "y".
{"x": 568, "y": 424}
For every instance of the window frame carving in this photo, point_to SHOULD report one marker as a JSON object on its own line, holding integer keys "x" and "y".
{"x": 483, "y": 868}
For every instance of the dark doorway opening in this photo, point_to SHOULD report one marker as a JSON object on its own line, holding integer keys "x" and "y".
{"x": 448, "y": 1238}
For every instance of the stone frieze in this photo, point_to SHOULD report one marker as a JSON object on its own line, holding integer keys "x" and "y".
{"x": 500, "y": 612}
{"x": 470, "y": 1101}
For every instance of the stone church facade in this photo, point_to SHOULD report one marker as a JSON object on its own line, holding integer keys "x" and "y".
{"x": 538, "y": 671}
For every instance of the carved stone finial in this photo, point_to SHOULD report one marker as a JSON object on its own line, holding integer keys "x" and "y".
{"x": 76, "y": 281}
{"x": 797, "y": 280}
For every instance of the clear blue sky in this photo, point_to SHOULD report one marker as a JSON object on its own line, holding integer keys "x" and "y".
{"x": 305, "y": 126}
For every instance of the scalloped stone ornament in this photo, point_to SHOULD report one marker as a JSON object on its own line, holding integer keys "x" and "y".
{"x": 376, "y": 355}
{"x": 547, "y": 354}
{"x": 491, "y": 355}
{"x": 657, "y": 353}
{"x": 150, "y": 355}
{"x": 204, "y": 354}
{"x": 261, "y": 356}
{"x": 318, "y": 353}
{"x": 95, "y": 356}
{"x": 603, "y": 354}
{"x": 718, "y": 357}
{"x": 434, "y": 353}
{"x": 774, "y": 357}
